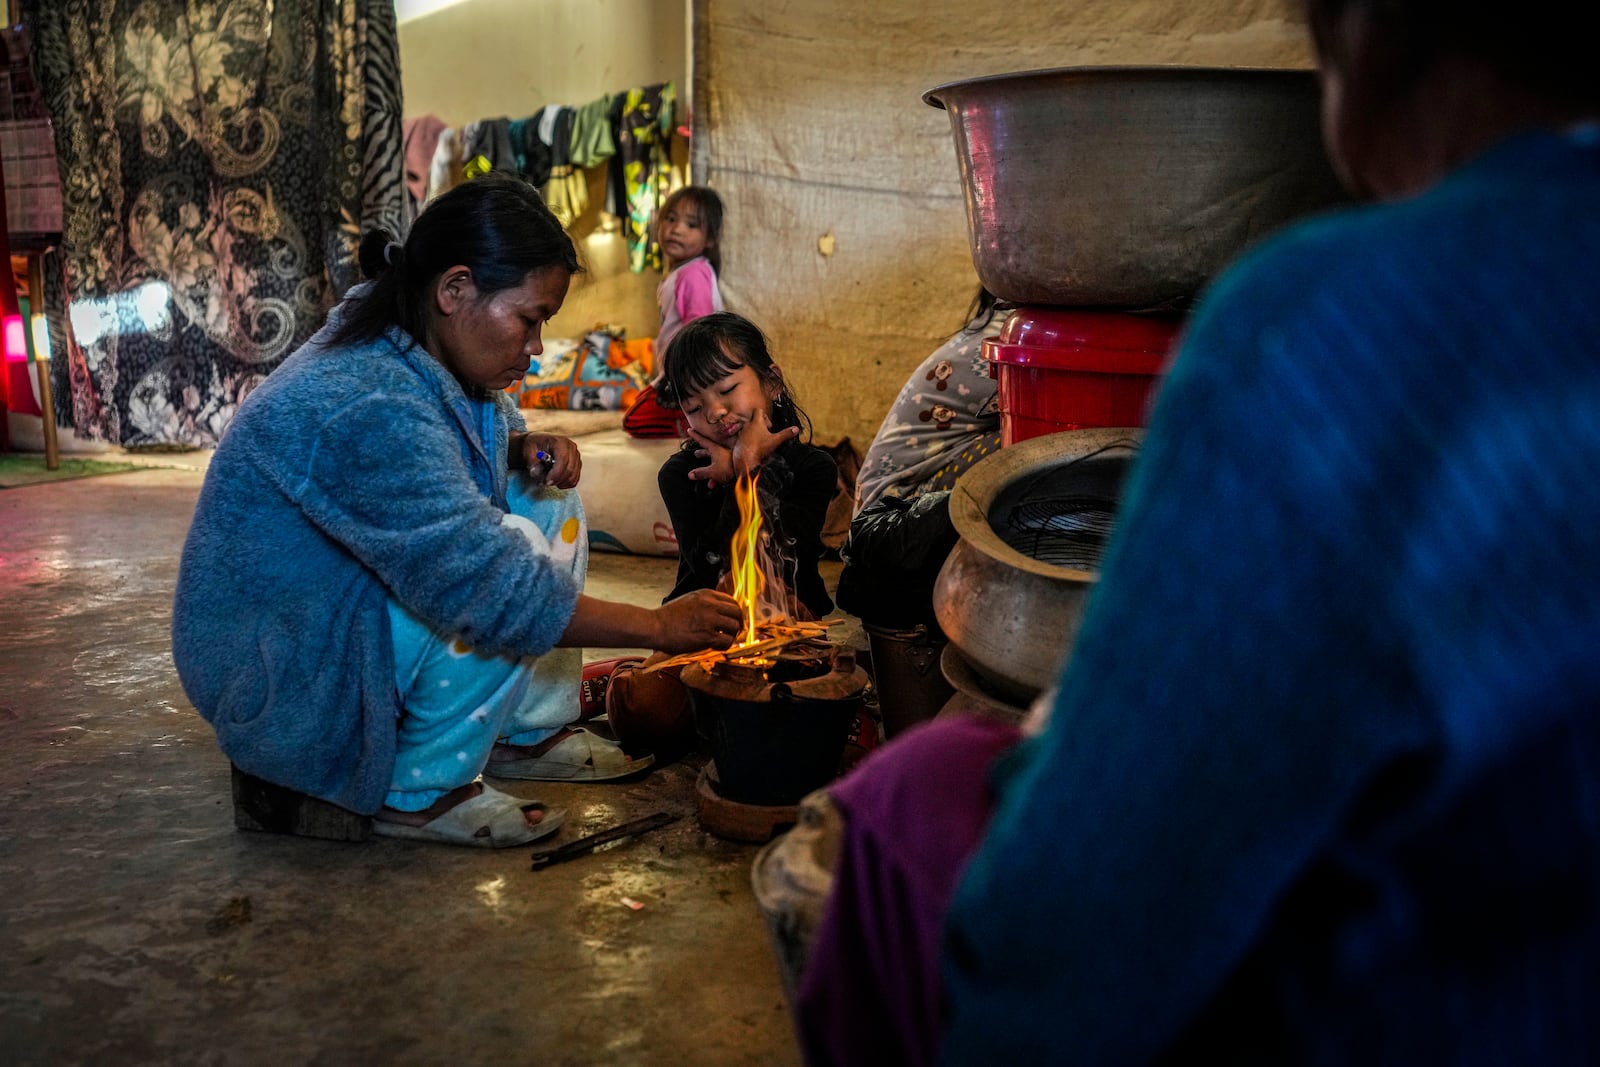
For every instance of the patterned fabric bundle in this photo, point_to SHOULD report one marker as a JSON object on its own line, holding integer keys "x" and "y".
{"x": 218, "y": 171}
{"x": 601, "y": 373}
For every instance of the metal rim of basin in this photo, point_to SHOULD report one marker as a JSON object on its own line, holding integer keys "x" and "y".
{"x": 1127, "y": 72}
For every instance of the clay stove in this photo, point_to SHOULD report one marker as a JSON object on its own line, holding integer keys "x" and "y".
{"x": 776, "y": 708}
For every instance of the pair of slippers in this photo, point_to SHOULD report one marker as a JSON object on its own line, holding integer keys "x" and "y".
{"x": 493, "y": 819}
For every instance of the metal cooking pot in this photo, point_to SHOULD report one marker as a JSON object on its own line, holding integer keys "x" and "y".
{"x": 1012, "y": 615}
{"x": 1130, "y": 187}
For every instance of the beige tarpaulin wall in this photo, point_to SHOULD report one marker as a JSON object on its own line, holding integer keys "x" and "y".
{"x": 845, "y": 235}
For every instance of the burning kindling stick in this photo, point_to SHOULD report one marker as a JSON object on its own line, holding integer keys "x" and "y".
{"x": 749, "y": 581}
{"x": 775, "y": 636}
{"x": 759, "y": 636}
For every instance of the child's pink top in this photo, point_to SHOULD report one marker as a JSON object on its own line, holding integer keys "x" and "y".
{"x": 687, "y": 293}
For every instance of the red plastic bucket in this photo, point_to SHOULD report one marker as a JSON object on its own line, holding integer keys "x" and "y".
{"x": 1069, "y": 370}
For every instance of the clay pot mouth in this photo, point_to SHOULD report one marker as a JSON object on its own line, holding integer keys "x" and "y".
{"x": 1047, "y": 78}
{"x": 1085, "y": 464}
{"x": 829, "y": 674}
{"x": 1012, "y": 615}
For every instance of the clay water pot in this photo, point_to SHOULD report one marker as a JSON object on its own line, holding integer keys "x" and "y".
{"x": 1013, "y": 616}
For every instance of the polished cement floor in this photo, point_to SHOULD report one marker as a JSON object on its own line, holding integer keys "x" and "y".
{"x": 137, "y": 925}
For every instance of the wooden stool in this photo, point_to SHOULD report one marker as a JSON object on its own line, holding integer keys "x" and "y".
{"x": 260, "y": 805}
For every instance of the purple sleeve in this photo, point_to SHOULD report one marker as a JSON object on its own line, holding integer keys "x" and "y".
{"x": 912, "y": 813}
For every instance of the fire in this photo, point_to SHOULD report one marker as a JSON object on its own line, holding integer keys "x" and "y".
{"x": 767, "y": 631}
{"x": 749, "y": 577}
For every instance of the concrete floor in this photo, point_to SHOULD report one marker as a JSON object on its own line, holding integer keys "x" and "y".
{"x": 137, "y": 925}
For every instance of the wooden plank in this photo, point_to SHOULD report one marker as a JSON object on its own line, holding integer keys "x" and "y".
{"x": 260, "y": 805}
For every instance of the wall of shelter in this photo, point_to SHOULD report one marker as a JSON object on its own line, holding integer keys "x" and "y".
{"x": 845, "y": 234}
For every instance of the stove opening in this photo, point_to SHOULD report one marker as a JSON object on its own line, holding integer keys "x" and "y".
{"x": 1063, "y": 515}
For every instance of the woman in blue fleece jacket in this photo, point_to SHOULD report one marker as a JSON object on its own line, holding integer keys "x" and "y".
{"x": 382, "y": 557}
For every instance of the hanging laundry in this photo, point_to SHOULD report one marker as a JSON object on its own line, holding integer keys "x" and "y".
{"x": 535, "y": 149}
{"x": 421, "y": 139}
{"x": 445, "y": 170}
{"x": 488, "y": 147}
{"x": 616, "y": 186}
{"x": 517, "y": 132}
{"x": 644, "y": 142}
{"x": 592, "y": 142}
{"x": 567, "y": 192}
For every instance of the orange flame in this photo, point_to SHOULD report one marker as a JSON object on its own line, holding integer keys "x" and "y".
{"x": 749, "y": 579}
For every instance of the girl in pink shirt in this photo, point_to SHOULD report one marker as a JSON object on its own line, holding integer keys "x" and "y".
{"x": 688, "y": 230}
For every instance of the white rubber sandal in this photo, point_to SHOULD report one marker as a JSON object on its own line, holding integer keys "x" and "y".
{"x": 491, "y": 819}
{"x": 582, "y": 757}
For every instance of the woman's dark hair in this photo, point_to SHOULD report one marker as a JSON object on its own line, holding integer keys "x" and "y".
{"x": 1526, "y": 44}
{"x": 710, "y": 348}
{"x": 710, "y": 205}
{"x": 497, "y": 226}
{"x": 985, "y": 305}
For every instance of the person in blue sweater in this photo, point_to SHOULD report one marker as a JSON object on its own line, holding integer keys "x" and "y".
{"x": 1321, "y": 781}
{"x": 383, "y": 558}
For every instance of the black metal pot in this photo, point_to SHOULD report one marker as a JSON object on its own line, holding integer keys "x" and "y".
{"x": 775, "y": 741}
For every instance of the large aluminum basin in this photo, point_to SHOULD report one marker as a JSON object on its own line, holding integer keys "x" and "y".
{"x": 1130, "y": 187}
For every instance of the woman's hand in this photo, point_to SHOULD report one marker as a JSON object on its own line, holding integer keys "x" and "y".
{"x": 697, "y": 621}
{"x": 551, "y": 459}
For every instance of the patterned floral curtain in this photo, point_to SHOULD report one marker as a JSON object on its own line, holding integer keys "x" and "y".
{"x": 219, "y": 161}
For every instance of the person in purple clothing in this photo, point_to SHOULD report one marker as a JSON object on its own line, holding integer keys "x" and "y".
{"x": 1321, "y": 781}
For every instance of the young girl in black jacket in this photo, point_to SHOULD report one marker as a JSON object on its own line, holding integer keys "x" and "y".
{"x": 742, "y": 419}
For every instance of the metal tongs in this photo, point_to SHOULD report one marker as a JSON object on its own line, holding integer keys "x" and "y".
{"x": 585, "y": 845}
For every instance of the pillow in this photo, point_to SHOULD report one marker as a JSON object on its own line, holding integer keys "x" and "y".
{"x": 647, "y": 418}
{"x": 594, "y": 374}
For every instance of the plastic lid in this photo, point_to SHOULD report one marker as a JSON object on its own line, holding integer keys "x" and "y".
{"x": 1102, "y": 330}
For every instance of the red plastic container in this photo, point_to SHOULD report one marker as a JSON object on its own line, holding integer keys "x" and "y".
{"x": 1061, "y": 369}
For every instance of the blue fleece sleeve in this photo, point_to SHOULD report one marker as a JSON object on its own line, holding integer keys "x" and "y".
{"x": 414, "y": 515}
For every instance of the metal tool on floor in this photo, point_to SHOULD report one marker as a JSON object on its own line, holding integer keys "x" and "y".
{"x": 585, "y": 845}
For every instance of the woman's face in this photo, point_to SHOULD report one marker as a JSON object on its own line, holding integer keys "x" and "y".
{"x": 489, "y": 341}
{"x": 1344, "y": 131}
{"x": 723, "y": 408}
{"x": 1372, "y": 117}
{"x": 682, "y": 232}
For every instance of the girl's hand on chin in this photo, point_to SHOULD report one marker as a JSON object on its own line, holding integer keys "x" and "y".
{"x": 758, "y": 441}
{"x": 719, "y": 461}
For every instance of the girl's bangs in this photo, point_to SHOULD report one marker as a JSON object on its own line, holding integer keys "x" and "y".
{"x": 697, "y": 370}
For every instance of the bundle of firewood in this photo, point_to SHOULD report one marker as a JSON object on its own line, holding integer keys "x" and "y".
{"x": 777, "y": 635}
